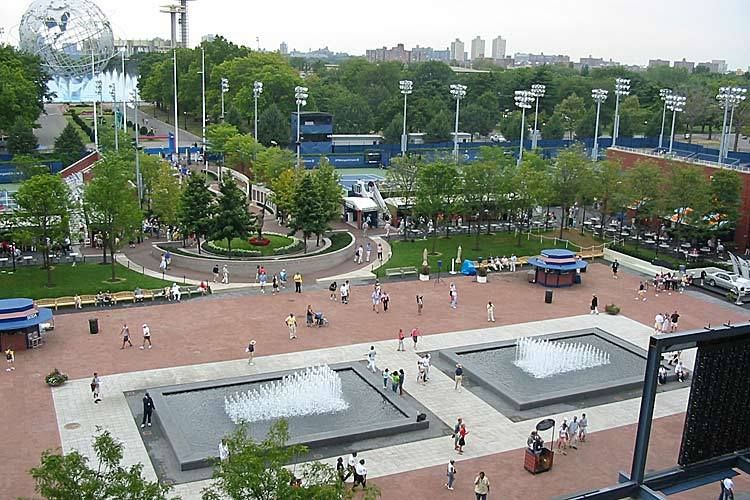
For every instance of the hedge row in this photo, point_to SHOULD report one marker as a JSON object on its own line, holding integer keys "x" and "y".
{"x": 210, "y": 247}
{"x": 295, "y": 246}
{"x": 84, "y": 126}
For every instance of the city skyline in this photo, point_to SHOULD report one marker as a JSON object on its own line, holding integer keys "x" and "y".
{"x": 646, "y": 30}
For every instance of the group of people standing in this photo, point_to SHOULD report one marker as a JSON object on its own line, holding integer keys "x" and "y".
{"x": 571, "y": 433}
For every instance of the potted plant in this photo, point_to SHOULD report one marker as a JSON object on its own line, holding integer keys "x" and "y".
{"x": 56, "y": 378}
{"x": 482, "y": 274}
{"x": 612, "y": 309}
{"x": 424, "y": 273}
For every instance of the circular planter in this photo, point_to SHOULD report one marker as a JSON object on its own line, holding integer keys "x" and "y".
{"x": 481, "y": 279}
{"x": 263, "y": 242}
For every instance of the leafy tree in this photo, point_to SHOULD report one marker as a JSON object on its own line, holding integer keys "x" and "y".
{"x": 218, "y": 135}
{"x": 510, "y": 126}
{"x": 571, "y": 110}
{"x": 439, "y": 128}
{"x": 111, "y": 204}
{"x": 43, "y": 208}
{"x": 553, "y": 127}
{"x": 438, "y": 187}
{"x": 687, "y": 188}
{"x": 29, "y": 165}
{"x": 231, "y": 218}
{"x": 273, "y": 126}
{"x": 478, "y": 119}
{"x": 241, "y": 151}
{"x": 327, "y": 185}
{"x": 256, "y": 471}
{"x": 726, "y": 189}
{"x": 21, "y": 139}
{"x": 392, "y": 133}
{"x": 642, "y": 188}
{"x": 195, "y": 208}
{"x": 284, "y": 189}
{"x": 609, "y": 189}
{"x": 307, "y": 209}
{"x": 570, "y": 173}
{"x": 270, "y": 162}
{"x": 531, "y": 187}
{"x": 481, "y": 187}
{"x": 352, "y": 113}
{"x": 165, "y": 196}
{"x": 402, "y": 178}
{"x": 68, "y": 146}
{"x": 24, "y": 87}
{"x": 68, "y": 476}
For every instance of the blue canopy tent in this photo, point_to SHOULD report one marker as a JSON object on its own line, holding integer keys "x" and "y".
{"x": 468, "y": 269}
{"x": 20, "y": 322}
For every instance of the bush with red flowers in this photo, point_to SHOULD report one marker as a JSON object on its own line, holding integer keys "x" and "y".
{"x": 259, "y": 242}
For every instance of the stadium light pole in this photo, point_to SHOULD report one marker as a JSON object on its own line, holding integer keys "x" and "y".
{"x": 257, "y": 91}
{"x": 138, "y": 180}
{"x": 224, "y": 90}
{"x": 300, "y": 96}
{"x": 124, "y": 92}
{"x": 176, "y": 111}
{"x": 622, "y": 88}
{"x": 458, "y": 92}
{"x": 96, "y": 121}
{"x": 203, "y": 104}
{"x": 113, "y": 93}
{"x": 406, "y": 87}
{"x": 599, "y": 96}
{"x": 523, "y": 99}
{"x": 537, "y": 90}
{"x": 739, "y": 94}
{"x": 728, "y": 97}
{"x": 663, "y": 95}
{"x": 675, "y": 104}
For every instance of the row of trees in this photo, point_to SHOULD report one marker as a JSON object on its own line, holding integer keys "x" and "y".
{"x": 495, "y": 186}
{"x": 364, "y": 97}
{"x": 22, "y": 93}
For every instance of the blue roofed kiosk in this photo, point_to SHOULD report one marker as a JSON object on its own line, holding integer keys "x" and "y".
{"x": 557, "y": 267}
{"x": 20, "y": 323}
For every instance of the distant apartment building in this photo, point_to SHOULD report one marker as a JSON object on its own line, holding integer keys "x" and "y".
{"x": 688, "y": 65}
{"x": 524, "y": 59}
{"x": 715, "y": 66}
{"x": 457, "y": 51}
{"x": 283, "y": 48}
{"x": 477, "y": 48}
{"x": 321, "y": 54}
{"x": 498, "y": 48}
{"x": 590, "y": 62}
{"x": 131, "y": 47}
{"x": 421, "y": 54}
{"x": 654, "y": 63}
{"x": 397, "y": 53}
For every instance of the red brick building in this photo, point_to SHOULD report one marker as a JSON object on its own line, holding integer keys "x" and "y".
{"x": 742, "y": 231}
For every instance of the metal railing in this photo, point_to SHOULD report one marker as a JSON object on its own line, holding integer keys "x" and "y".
{"x": 690, "y": 158}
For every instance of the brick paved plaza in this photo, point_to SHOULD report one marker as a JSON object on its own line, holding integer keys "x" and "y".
{"x": 205, "y": 338}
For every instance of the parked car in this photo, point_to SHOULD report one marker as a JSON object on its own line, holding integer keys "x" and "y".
{"x": 729, "y": 281}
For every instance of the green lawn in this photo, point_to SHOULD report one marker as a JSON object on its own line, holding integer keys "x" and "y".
{"x": 242, "y": 244}
{"x": 408, "y": 253}
{"x": 84, "y": 279}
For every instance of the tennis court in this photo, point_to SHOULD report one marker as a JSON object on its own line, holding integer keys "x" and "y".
{"x": 349, "y": 179}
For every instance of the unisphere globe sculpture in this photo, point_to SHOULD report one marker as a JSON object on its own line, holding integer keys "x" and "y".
{"x": 65, "y": 34}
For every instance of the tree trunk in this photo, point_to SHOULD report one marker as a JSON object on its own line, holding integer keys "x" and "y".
{"x": 45, "y": 259}
{"x": 710, "y": 131}
{"x": 736, "y": 140}
{"x": 104, "y": 252}
{"x": 546, "y": 218}
{"x": 229, "y": 247}
{"x": 198, "y": 239}
{"x": 112, "y": 254}
{"x": 261, "y": 221}
{"x": 563, "y": 219}
{"x": 583, "y": 217}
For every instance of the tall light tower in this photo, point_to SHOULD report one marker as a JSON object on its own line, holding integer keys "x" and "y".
{"x": 257, "y": 91}
{"x": 173, "y": 10}
{"x": 184, "y": 25}
{"x": 537, "y": 90}
{"x": 406, "y": 87}
{"x": 458, "y": 92}
{"x": 675, "y": 104}
{"x": 124, "y": 93}
{"x": 663, "y": 95}
{"x": 113, "y": 94}
{"x": 300, "y": 96}
{"x": 224, "y": 90}
{"x": 728, "y": 98}
{"x": 622, "y": 88}
{"x": 203, "y": 103}
{"x": 523, "y": 99}
{"x": 599, "y": 96}
{"x": 138, "y": 180}
{"x": 96, "y": 119}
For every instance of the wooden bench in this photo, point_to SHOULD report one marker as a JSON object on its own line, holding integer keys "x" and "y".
{"x": 123, "y": 297}
{"x": 400, "y": 271}
{"x": 46, "y": 303}
{"x": 66, "y": 302}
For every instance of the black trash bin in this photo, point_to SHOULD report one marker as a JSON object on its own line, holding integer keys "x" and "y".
{"x": 93, "y": 326}
{"x": 548, "y": 296}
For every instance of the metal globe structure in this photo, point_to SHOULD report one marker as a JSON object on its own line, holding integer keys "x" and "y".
{"x": 67, "y": 35}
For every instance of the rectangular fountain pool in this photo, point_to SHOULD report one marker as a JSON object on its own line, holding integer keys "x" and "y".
{"x": 492, "y": 367}
{"x": 193, "y": 419}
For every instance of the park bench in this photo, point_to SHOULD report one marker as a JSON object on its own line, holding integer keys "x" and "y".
{"x": 46, "y": 303}
{"x": 400, "y": 271}
{"x": 123, "y": 297}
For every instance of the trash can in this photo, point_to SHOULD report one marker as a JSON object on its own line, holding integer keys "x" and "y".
{"x": 93, "y": 326}
{"x": 577, "y": 279}
{"x": 548, "y": 296}
{"x": 531, "y": 276}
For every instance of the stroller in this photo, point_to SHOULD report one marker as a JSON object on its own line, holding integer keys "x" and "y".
{"x": 320, "y": 320}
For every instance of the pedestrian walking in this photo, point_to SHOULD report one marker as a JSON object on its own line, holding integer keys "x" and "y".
{"x": 163, "y": 264}
{"x": 462, "y": 433}
{"x": 415, "y": 333}
{"x": 225, "y": 274}
{"x": 223, "y": 449}
{"x": 291, "y": 323}
{"x": 490, "y": 312}
{"x": 345, "y": 292}
{"x": 371, "y": 354}
{"x": 453, "y": 292}
{"x": 96, "y": 385}
{"x": 250, "y": 352}
{"x": 395, "y": 378}
{"x": 263, "y": 280}
{"x": 386, "y": 378}
{"x": 282, "y": 278}
{"x": 513, "y": 262}
{"x": 340, "y": 469}
{"x": 148, "y": 410}
{"x": 360, "y": 475}
{"x": 451, "y": 474}
{"x": 360, "y": 253}
{"x": 420, "y": 304}
{"x": 386, "y": 300}
{"x": 274, "y": 285}
{"x": 459, "y": 377}
{"x": 615, "y": 266}
{"x": 368, "y": 251}
{"x": 297, "y": 282}
{"x": 674, "y": 318}
{"x": 481, "y": 486}
{"x": 594, "y": 304}
{"x": 400, "y": 339}
{"x": 350, "y": 463}
{"x": 641, "y": 291}
{"x": 125, "y": 332}
{"x": 10, "y": 359}
{"x": 376, "y": 300}
{"x": 216, "y": 272}
{"x": 573, "y": 432}
{"x": 401, "y": 377}
{"x": 146, "y": 336}
{"x": 380, "y": 252}
{"x": 332, "y": 288}
{"x": 309, "y": 316}
{"x": 583, "y": 425}
{"x": 727, "y": 489}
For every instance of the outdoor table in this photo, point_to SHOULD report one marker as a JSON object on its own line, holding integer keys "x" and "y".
{"x": 587, "y": 223}
{"x": 705, "y": 250}
{"x": 594, "y": 219}
{"x": 625, "y": 233}
{"x": 685, "y": 245}
{"x": 598, "y": 226}
{"x": 27, "y": 259}
{"x": 664, "y": 245}
{"x": 4, "y": 261}
{"x": 611, "y": 230}
{"x": 649, "y": 242}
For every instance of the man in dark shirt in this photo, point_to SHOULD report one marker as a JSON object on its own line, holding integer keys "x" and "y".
{"x": 459, "y": 377}
{"x": 148, "y": 409}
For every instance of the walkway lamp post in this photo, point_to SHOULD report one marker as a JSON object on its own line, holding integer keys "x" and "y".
{"x": 203, "y": 105}
{"x": 538, "y": 90}
{"x": 138, "y": 180}
{"x": 599, "y": 96}
{"x": 405, "y": 86}
{"x": 458, "y": 92}
{"x": 675, "y": 104}
{"x": 224, "y": 90}
{"x": 663, "y": 95}
{"x": 622, "y": 88}
{"x": 523, "y": 99}
{"x": 257, "y": 91}
{"x": 176, "y": 112}
{"x": 300, "y": 96}
{"x": 113, "y": 95}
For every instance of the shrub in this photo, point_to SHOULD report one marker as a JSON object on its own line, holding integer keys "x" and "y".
{"x": 56, "y": 378}
{"x": 426, "y": 270}
{"x": 612, "y": 309}
{"x": 295, "y": 246}
{"x": 482, "y": 271}
{"x": 211, "y": 248}
{"x": 84, "y": 126}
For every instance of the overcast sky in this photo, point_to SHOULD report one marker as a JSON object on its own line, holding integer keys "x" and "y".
{"x": 629, "y": 31}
